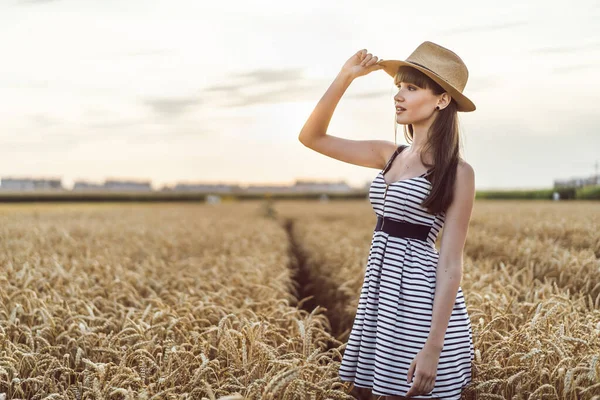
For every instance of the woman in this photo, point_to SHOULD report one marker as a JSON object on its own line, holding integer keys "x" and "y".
{"x": 412, "y": 335}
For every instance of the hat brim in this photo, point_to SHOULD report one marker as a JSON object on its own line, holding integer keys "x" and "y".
{"x": 463, "y": 102}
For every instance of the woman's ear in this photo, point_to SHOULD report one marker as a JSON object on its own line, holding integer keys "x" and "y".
{"x": 445, "y": 99}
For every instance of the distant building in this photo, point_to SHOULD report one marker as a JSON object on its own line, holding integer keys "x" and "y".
{"x": 312, "y": 186}
{"x": 30, "y": 184}
{"x": 267, "y": 189}
{"x": 205, "y": 188}
{"x": 114, "y": 185}
{"x": 83, "y": 186}
{"x": 577, "y": 182}
{"x": 117, "y": 185}
{"x": 298, "y": 187}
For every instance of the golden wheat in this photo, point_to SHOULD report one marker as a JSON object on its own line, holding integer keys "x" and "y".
{"x": 161, "y": 301}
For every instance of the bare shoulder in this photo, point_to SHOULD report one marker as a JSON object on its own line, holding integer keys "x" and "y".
{"x": 465, "y": 178}
{"x": 388, "y": 149}
{"x": 465, "y": 169}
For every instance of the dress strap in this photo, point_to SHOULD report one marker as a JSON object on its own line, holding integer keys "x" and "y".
{"x": 428, "y": 172}
{"x": 389, "y": 163}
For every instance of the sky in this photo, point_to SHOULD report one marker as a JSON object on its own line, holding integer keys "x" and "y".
{"x": 217, "y": 92}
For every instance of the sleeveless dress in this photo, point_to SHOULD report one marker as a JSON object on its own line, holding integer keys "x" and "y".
{"x": 394, "y": 313}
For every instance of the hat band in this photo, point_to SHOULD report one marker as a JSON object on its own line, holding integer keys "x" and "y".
{"x": 420, "y": 65}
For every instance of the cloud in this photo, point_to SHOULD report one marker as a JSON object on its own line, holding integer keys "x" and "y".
{"x": 222, "y": 88}
{"x": 171, "y": 107}
{"x": 266, "y": 86}
{"x": 257, "y": 80}
{"x": 289, "y": 92}
{"x": 274, "y": 76}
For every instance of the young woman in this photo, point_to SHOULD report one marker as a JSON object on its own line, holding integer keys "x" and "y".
{"x": 411, "y": 336}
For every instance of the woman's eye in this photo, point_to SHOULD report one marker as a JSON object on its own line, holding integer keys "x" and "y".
{"x": 410, "y": 87}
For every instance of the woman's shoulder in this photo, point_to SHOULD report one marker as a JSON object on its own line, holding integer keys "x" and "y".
{"x": 464, "y": 167}
{"x": 465, "y": 175}
{"x": 391, "y": 149}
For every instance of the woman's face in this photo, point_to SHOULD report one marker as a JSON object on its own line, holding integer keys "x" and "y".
{"x": 419, "y": 103}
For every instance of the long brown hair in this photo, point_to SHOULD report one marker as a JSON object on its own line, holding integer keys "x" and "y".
{"x": 443, "y": 140}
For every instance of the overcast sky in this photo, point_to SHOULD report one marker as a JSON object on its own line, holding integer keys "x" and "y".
{"x": 182, "y": 90}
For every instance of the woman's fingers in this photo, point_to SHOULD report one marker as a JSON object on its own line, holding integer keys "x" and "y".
{"x": 366, "y": 59}
{"x": 369, "y": 60}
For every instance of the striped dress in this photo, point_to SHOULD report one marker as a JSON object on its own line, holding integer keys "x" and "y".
{"x": 393, "y": 318}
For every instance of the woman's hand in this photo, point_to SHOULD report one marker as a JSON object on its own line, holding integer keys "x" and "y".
{"x": 361, "y": 64}
{"x": 424, "y": 367}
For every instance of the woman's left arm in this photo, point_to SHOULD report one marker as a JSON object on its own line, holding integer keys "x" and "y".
{"x": 449, "y": 268}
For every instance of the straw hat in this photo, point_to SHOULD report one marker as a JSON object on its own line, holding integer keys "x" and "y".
{"x": 440, "y": 64}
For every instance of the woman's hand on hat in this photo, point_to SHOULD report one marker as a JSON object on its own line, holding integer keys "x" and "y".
{"x": 361, "y": 63}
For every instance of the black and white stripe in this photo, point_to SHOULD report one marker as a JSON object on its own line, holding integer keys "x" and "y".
{"x": 394, "y": 313}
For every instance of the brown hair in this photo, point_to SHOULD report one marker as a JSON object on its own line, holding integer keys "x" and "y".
{"x": 443, "y": 140}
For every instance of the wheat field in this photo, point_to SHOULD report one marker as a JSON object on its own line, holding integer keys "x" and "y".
{"x": 255, "y": 299}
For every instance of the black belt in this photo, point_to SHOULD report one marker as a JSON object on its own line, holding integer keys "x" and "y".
{"x": 402, "y": 229}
